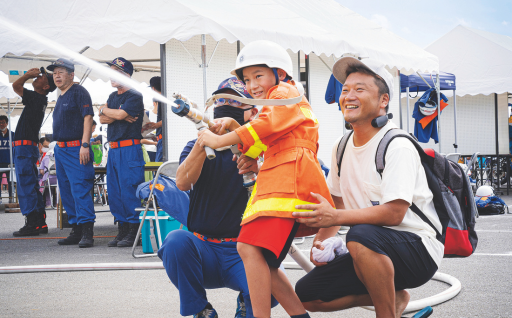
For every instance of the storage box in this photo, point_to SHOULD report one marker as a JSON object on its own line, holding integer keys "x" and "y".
{"x": 149, "y": 232}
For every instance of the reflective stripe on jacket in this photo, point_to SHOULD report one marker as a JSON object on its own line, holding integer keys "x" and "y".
{"x": 288, "y": 136}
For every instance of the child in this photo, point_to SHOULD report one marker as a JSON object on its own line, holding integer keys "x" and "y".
{"x": 288, "y": 135}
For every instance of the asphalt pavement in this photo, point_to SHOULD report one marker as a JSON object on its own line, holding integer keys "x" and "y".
{"x": 485, "y": 277}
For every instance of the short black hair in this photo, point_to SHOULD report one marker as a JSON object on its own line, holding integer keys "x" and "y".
{"x": 156, "y": 83}
{"x": 383, "y": 87}
{"x": 43, "y": 139}
{"x": 3, "y": 117}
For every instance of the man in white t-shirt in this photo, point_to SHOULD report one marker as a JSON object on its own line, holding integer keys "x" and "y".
{"x": 391, "y": 248}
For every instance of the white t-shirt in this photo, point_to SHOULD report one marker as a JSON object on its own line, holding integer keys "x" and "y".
{"x": 403, "y": 178}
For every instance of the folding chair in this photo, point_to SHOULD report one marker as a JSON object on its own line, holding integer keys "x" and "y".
{"x": 168, "y": 169}
{"x": 453, "y": 157}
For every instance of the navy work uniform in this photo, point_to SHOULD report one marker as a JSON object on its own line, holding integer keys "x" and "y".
{"x": 125, "y": 165}
{"x": 159, "y": 147}
{"x": 26, "y": 152}
{"x": 5, "y": 156}
{"x": 75, "y": 180}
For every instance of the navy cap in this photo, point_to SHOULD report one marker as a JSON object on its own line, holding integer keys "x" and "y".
{"x": 156, "y": 83}
{"x": 51, "y": 82}
{"x": 122, "y": 64}
{"x": 61, "y": 63}
{"x": 235, "y": 84}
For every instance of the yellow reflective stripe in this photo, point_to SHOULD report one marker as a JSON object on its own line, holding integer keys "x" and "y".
{"x": 309, "y": 114}
{"x": 273, "y": 204}
{"x": 253, "y": 152}
{"x": 257, "y": 141}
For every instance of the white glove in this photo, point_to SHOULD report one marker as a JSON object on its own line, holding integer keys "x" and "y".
{"x": 333, "y": 246}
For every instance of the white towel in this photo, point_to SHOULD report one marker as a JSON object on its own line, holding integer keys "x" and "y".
{"x": 333, "y": 246}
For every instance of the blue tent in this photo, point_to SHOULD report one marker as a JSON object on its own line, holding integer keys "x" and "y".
{"x": 416, "y": 83}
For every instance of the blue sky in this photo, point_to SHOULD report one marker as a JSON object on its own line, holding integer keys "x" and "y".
{"x": 423, "y": 22}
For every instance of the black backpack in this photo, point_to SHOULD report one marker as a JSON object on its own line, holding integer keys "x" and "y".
{"x": 453, "y": 196}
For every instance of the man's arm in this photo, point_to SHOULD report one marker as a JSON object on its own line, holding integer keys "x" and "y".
{"x": 86, "y": 137}
{"x": 17, "y": 86}
{"x": 325, "y": 233}
{"x": 324, "y": 215}
{"x": 115, "y": 114}
{"x": 190, "y": 169}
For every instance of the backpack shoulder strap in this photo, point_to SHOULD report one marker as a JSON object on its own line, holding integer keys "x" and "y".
{"x": 380, "y": 162}
{"x": 341, "y": 149}
{"x": 380, "y": 155}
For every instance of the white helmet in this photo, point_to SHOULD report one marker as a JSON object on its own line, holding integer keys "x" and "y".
{"x": 263, "y": 52}
{"x": 428, "y": 109}
{"x": 485, "y": 191}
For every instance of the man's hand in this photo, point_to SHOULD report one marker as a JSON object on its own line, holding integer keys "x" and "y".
{"x": 207, "y": 138}
{"x": 84, "y": 155}
{"x": 323, "y": 215}
{"x": 131, "y": 119}
{"x": 246, "y": 164}
{"x": 33, "y": 72}
{"x": 150, "y": 126}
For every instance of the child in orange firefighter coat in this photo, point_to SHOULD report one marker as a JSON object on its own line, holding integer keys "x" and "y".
{"x": 288, "y": 137}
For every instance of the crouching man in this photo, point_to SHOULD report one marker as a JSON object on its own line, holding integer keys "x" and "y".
{"x": 391, "y": 248}
{"x": 206, "y": 257}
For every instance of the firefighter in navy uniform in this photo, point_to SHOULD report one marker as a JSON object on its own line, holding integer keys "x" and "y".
{"x": 26, "y": 151}
{"x": 125, "y": 166}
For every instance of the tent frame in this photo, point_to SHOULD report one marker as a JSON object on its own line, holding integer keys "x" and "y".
{"x": 437, "y": 86}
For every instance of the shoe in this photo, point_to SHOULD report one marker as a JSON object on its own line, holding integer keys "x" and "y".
{"x": 240, "y": 307}
{"x": 122, "y": 232}
{"x": 87, "y": 235}
{"x": 41, "y": 222}
{"x": 30, "y": 228}
{"x": 74, "y": 236}
{"x": 129, "y": 238}
{"x": 207, "y": 313}
{"x": 424, "y": 313}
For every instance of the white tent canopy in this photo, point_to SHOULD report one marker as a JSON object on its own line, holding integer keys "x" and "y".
{"x": 322, "y": 27}
{"x": 482, "y": 61}
{"x": 6, "y": 91}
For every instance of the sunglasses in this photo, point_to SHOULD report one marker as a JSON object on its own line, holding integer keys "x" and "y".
{"x": 43, "y": 71}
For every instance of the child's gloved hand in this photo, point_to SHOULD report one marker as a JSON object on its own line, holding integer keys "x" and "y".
{"x": 333, "y": 246}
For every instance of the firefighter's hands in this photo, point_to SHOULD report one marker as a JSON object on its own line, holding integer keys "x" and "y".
{"x": 322, "y": 215}
{"x": 246, "y": 164}
{"x": 84, "y": 155}
{"x": 207, "y": 138}
{"x": 33, "y": 72}
{"x": 222, "y": 125}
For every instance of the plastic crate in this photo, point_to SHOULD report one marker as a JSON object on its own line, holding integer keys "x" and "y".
{"x": 167, "y": 224}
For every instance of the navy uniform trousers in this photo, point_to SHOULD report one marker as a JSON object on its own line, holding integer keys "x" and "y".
{"x": 159, "y": 151}
{"x": 29, "y": 195}
{"x": 194, "y": 265}
{"x": 75, "y": 184}
{"x": 125, "y": 171}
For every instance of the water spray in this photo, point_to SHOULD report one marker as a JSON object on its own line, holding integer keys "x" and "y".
{"x": 83, "y": 60}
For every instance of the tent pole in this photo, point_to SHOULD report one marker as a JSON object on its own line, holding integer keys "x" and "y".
{"x": 496, "y": 124}
{"x": 438, "y": 91}
{"x": 407, "y": 92}
{"x": 455, "y": 145}
{"x": 163, "y": 87}
{"x": 400, "y": 99}
{"x": 203, "y": 64}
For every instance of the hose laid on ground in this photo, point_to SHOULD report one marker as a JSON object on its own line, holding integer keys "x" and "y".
{"x": 301, "y": 262}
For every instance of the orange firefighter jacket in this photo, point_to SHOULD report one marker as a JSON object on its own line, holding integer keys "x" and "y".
{"x": 288, "y": 137}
